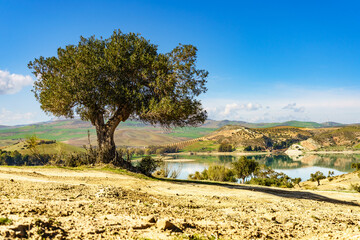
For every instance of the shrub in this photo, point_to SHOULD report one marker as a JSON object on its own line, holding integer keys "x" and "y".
{"x": 244, "y": 167}
{"x": 356, "y": 166}
{"x": 215, "y": 173}
{"x": 139, "y": 152}
{"x": 316, "y": 177}
{"x": 355, "y": 187}
{"x": 166, "y": 172}
{"x": 148, "y": 165}
{"x": 268, "y": 177}
{"x": 5, "y": 221}
{"x": 225, "y": 147}
{"x": 296, "y": 181}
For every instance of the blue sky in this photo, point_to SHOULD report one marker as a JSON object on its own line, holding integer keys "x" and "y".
{"x": 268, "y": 60}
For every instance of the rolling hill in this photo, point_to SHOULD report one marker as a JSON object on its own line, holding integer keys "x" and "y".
{"x": 44, "y": 148}
{"x": 138, "y": 134}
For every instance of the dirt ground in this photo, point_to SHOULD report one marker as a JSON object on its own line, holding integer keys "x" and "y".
{"x": 56, "y": 203}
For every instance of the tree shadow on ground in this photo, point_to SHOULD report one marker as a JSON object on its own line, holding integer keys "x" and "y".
{"x": 274, "y": 191}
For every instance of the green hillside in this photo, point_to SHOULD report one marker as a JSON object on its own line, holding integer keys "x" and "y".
{"x": 129, "y": 133}
{"x": 49, "y": 148}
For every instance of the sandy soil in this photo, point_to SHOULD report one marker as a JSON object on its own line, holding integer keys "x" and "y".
{"x": 72, "y": 204}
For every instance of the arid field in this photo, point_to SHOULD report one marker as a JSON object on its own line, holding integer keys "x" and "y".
{"x": 58, "y": 203}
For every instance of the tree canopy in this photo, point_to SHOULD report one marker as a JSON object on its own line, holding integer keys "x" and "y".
{"x": 107, "y": 81}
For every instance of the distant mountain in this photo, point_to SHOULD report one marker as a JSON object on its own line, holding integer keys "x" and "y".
{"x": 3, "y": 126}
{"x": 219, "y": 124}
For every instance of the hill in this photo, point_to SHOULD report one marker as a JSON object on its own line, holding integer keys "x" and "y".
{"x": 129, "y": 133}
{"x": 138, "y": 134}
{"x": 279, "y": 138}
{"x": 262, "y": 138}
{"x": 219, "y": 124}
{"x": 44, "y": 147}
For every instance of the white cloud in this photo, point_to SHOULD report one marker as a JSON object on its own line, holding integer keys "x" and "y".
{"x": 13, "y": 83}
{"x": 233, "y": 107}
{"x": 292, "y": 106}
{"x": 251, "y": 106}
{"x": 9, "y": 118}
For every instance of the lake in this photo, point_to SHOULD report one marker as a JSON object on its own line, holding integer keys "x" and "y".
{"x": 301, "y": 167}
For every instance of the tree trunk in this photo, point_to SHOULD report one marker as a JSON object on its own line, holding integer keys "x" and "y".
{"x": 106, "y": 144}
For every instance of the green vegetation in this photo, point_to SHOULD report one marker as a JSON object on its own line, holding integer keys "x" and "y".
{"x": 244, "y": 167}
{"x": 44, "y": 147}
{"x": 266, "y": 176}
{"x": 148, "y": 165}
{"x": 106, "y": 81}
{"x": 191, "y": 132}
{"x": 316, "y": 177}
{"x": 356, "y": 166}
{"x": 355, "y": 187}
{"x": 226, "y": 147}
{"x": 5, "y": 221}
{"x": 201, "y": 146}
{"x": 215, "y": 173}
{"x": 45, "y": 131}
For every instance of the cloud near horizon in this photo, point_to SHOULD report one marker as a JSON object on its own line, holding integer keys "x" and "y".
{"x": 8, "y": 117}
{"x": 13, "y": 83}
{"x": 292, "y": 106}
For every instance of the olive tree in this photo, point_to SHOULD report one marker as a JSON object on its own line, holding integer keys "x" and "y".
{"x": 316, "y": 177}
{"x": 107, "y": 81}
{"x": 244, "y": 167}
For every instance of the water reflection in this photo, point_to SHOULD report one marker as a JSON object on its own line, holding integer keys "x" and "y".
{"x": 302, "y": 166}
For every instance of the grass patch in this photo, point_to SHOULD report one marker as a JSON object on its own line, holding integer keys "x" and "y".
{"x": 53, "y": 148}
{"x": 5, "y": 221}
{"x": 191, "y": 132}
{"x": 202, "y": 146}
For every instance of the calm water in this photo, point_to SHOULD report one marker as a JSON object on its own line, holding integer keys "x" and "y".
{"x": 339, "y": 163}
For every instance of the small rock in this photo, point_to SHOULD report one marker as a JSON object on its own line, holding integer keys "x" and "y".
{"x": 167, "y": 225}
{"x": 142, "y": 226}
{"x": 150, "y": 219}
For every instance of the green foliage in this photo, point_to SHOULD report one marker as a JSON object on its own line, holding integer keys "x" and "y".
{"x": 191, "y": 132}
{"x": 284, "y": 144}
{"x": 255, "y": 148}
{"x": 215, "y": 173}
{"x": 140, "y": 152}
{"x": 161, "y": 150}
{"x": 268, "y": 177}
{"x": 296, "y": 181}
{"x": 355, "y": 187}
{"x": 5, "y": 221}
{"x": 32, "y": 142}
{"x": 16, "y": 159}
{"x": 244, "y": 167}
{"x": 331, "y": 175}
{"x": 201, "y": 146}
{"x": 106, "y": 81}
{"x": 225, "y": 147}
{"x": 356, "y": 166}
{"x": 166, "y": 172}
{"x": 316, "y": 177}
{"x": 148, "y": 165}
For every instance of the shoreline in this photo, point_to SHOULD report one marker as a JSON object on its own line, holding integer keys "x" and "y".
{"x": 221, "y": 153}
{"x": 261, "y": 153}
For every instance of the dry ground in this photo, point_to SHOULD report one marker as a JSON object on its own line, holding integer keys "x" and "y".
{"x": 93, "y": 204}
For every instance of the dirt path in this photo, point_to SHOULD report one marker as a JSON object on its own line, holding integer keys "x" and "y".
{"x": 69, "y": 204}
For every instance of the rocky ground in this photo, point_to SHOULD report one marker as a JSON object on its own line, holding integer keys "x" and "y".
{"x": 57, "y": 203}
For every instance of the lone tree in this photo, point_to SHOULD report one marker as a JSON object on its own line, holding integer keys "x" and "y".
{"x": 244, "y": 167}
{"x": 316, "y": 177}
{"x": 107, "y": 81}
